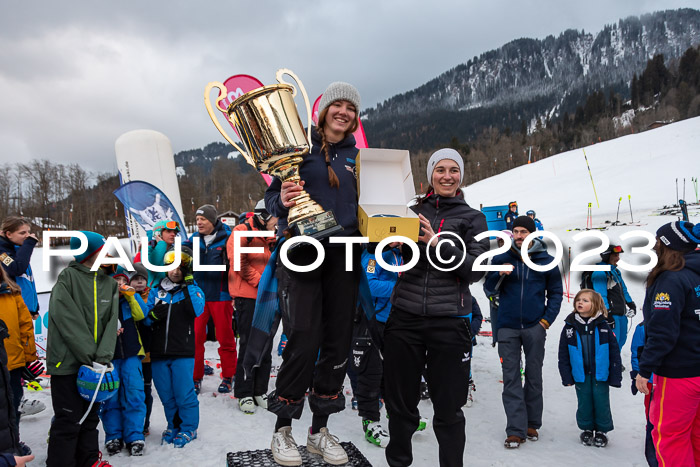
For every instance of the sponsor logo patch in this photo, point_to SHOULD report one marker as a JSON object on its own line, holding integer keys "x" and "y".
{"x": 6, "y": 259}
{"x": 569, "y": 333}
{"x": 697, "y": 291}
{"x": 371, "y": 266}
{"x": 662, "y": 300}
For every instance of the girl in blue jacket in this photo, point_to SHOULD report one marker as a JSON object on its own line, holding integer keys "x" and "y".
{"x": 589, "y": 359}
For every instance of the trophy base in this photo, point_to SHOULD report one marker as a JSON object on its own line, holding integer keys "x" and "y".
{"x": 318, "y": 226}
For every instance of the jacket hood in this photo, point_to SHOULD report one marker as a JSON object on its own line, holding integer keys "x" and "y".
{"x": 692, "y": 261}
{"x": 82, "y": 268}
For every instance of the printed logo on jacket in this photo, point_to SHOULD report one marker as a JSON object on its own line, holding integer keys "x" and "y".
{"x": 662, "y": 300}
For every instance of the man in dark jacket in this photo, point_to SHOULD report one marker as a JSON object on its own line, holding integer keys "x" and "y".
{"x": 213, "y": 235}
{"x": 529, "y": 303}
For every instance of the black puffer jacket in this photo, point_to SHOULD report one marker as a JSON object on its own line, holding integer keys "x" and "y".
{"x": 425, "y": 290}
{"x": 9, "y": 438}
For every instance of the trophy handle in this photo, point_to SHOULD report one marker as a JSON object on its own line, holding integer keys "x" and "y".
{"x": 212, "y": 115}
{"x": 286, "y": 71}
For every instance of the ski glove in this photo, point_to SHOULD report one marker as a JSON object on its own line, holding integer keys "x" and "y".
{"x": 158, "y": 313}
{"x": 632, "y": 310}
{"x": 633, "y": 375}
{"x": 32, "y": 370}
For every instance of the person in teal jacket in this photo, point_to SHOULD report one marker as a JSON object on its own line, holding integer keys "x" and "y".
{"x": 159, "y": 240}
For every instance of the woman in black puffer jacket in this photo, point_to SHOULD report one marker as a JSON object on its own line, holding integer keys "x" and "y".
{"x": 428, "y": 323}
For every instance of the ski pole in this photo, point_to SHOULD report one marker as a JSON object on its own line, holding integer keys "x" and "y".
{"x": 617, "y": 217}
{"x": 683, "y": 187}
{"x": 568, "y": 283}
{"x": 589, "y": 216}
{"x": 629, "y": 198}
{"x": 591, "y": 175}
{"x": 676, "y": 191}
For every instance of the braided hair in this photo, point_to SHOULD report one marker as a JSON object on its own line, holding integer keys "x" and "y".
{"x": 332, "y": 177}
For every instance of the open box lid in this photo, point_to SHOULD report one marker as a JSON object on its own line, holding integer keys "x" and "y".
{"x": 385, "y": 181}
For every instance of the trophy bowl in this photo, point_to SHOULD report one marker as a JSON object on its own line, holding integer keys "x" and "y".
{"x": 269, "y": 127}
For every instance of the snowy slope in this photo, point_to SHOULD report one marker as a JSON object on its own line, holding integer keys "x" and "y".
{"x": 558, "y": 188}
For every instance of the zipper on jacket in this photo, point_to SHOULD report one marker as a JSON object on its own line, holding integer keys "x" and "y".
{"x": 94, "y": 289}
{"x": 427, "y": 270}
{"x": 167, "y": 325}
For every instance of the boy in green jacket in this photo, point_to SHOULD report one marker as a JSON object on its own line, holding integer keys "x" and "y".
{"x": 83, "y": 313}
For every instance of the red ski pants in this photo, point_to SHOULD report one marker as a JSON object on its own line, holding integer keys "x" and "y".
{"x": 675, "y": 414}
{"x": 222, "y": 314}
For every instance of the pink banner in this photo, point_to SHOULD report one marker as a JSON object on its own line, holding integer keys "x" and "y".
{"x": 360, "y": 138}
{"x": 238, "y": 85}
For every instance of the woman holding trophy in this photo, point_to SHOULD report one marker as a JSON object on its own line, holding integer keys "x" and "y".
{"x": 318, "y": 306}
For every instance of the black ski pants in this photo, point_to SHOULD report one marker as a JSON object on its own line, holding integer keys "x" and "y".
{"x": 256, "y": 384}
{"x": 71, "y": 444}
{"x": 443, "y": 345}
{"x": 367, "y": 366}
{"x": 317, "y": 315}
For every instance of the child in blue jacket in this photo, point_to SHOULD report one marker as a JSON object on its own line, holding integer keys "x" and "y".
{"x": 173, "y": 306}
{"x": 589, "y": 358}
{"x": 123, "y": 416}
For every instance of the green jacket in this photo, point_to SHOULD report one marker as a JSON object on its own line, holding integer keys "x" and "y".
{"x": 83, "y": 320}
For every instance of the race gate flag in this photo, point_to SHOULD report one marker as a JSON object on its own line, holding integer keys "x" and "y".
{"x": 148, "y": 205}
{"x": 238, "y": 85}
{"x": 360, "y": 138}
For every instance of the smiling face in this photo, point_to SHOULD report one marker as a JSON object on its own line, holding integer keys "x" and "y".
{"x": 204, "y": 226}
{"x": 339, "y": 120}
{"x": 446, "y": 178}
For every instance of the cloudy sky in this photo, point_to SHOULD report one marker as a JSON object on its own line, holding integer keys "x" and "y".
{"x": 76, "y": 75}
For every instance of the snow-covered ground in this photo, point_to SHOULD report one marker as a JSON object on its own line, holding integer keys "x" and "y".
{"x": 644, "y": 166}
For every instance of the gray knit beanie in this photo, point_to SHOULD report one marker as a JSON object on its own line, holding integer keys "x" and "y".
{"x": 208, "y": 212}
{"x": 445, "y": 153}
{"x": 339, "y": 91}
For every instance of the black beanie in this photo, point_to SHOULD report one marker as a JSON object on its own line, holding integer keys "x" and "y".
{"x": 208, "y": 212}
{"x": 525, "y": 222}
{"x": 680, "y": 235}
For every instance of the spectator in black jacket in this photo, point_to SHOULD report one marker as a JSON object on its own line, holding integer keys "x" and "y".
{"x": 428, "y": 323}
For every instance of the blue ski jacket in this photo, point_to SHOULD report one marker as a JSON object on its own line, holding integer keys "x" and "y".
{"x": 381, "y": 281}
{"x": 131, "y": 309}
{"x": 526, "y": 296}
{"x": 589, "y": 348}
{"x": 214, "y": 284}
{"x": 15, "y": 259}
{"x": 612, "y": 288}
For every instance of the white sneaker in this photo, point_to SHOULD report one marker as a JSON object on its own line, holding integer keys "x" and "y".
{"x": 261, "y": 401}
{"x": 327, "y": 445}
{"x": 284, "y": 448}
{"x": 27, "y": 407}
{"x": 247, "y": 405}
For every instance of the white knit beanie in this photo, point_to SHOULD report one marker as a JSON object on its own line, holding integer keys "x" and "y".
{"x": 445, "y": 153}
{"x": 339, "y": 91}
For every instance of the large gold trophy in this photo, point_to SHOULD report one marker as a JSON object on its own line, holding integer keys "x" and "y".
{"x": 267, "y": 121}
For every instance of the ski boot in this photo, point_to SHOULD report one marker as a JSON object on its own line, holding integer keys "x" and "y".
{"x": 247, "y": 405}
{"x": 600, "y": 440}
{"x": 261, "y": 401}
{"x": 208, "y": 370}
{"x": 197, "y": 386}
{"x": 136, "y": 448}
{"x": 353, "y": 403}
{"x": 375, "y": 434}
{"x": 226, "y": 385}
{"x": 183, "y": 438}
{"x": 586, "y": 438}
{"x": 114, "y": 446}
{"x": 168, "y": 436}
